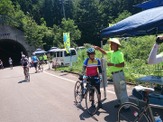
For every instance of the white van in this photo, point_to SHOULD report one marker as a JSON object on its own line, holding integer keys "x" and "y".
{"x": 61, "y": 57}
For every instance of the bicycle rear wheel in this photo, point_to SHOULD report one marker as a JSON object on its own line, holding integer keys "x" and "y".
{"x": 133, "y": 114}
{"x": 41, "y": 68}
{"x": 91, "y": 100}
{"x": 27, "y": 77}
{"x": 78, "y": 92}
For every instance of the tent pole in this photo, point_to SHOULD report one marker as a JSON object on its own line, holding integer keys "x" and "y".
{"x": 104, "y": 77}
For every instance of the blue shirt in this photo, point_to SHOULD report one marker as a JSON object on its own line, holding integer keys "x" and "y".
{"x": 34, "y": 59}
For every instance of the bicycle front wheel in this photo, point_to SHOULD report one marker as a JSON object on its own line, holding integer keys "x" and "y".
{"x": 78, "y": 92}
{"x": 91, "y": 100}
{"x": 132, "y": 114}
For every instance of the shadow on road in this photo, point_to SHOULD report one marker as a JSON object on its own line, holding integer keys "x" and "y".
{"x": 23, "y": 81}
{"x": 85, "y": 114}
{"x": 108, "y": 108}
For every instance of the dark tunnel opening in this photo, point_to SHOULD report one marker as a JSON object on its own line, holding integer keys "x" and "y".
{"x": 13, "y": 49}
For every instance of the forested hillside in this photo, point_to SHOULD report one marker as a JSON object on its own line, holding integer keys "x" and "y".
{"x": 43, "y": 23}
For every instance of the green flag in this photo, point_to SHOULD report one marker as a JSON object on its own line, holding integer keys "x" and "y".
{"x": 66, "y": 40}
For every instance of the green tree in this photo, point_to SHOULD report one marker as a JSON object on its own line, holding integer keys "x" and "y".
{"x": 34, "y": 33}
{"x": 122, "y": 16}
{"x": 66, "y": 26}
{"x": 6, "y": 7}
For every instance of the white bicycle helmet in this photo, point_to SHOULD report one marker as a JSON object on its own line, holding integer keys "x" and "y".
{"x": 23, "y": 56}
{"x": 90, "y": 50}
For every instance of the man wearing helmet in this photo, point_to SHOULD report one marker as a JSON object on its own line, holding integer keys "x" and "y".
{"x": 35, "y": 61}
{"x": 92, "y": 68}
{"x": 25, "y": 64}
{"x": 116, "y": 65}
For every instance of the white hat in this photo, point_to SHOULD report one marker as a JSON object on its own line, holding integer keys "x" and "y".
{"x": 115, "y": 40}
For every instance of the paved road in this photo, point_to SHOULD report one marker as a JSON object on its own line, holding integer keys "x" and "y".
{"x": 47, "y": 98}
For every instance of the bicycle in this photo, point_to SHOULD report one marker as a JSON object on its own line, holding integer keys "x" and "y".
{"x": 88, "y": 92}
{"x": 136, "y": 113}
{"x": 26, "y": 73}
{"x": 40, "y": 67}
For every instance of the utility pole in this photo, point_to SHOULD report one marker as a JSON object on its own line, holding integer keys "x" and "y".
{"x": 63, "y": 8}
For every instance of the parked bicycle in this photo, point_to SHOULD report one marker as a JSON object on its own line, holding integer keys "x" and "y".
{"x": 137, "y": 113}
{"x": 84, "y": 90}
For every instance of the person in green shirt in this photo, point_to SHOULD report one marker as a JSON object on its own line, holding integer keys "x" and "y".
{"x": 45, "y": 58}
{"x": 116, "y": 65}
{"x": 41, "y": 59}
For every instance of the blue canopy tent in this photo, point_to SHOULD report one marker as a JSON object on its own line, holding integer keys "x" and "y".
{"x": 150, "y": 4}
{"x": 144, "y": 23}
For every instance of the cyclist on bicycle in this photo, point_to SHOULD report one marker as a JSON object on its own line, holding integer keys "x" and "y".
{"x": 90, "y": 68}
{"x": 35, "y": 61}
{"x": 25, "y": 64}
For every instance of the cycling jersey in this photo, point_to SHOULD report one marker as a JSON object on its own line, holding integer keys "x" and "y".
{"x": 34, "y": 59}
{"x": 92, "y": 66}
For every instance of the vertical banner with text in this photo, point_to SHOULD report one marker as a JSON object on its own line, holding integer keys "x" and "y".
{"x": 66, "y": 40}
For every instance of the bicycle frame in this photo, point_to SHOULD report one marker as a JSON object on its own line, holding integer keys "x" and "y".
{"x": 150, "y": 106}
{"x": 147, "y": 109}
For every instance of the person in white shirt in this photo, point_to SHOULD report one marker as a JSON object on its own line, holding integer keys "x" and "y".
{"x": 155, "y": 58}
{"x": 10, "y": 62}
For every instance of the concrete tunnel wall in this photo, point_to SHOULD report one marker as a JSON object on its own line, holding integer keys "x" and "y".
{"x": 12, "y": 43}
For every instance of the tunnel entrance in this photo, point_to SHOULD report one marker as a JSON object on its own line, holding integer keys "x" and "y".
{"x": 13, "y": 49}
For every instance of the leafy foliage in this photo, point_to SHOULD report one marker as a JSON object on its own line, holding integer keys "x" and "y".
{"x": 66, "y": 26}
{"x": 91, "y": 16}
{"x": 43, "y": 24}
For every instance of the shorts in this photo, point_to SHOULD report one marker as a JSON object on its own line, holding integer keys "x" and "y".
{"x": 35, "y": 64}
{"x": 96, "y": 83}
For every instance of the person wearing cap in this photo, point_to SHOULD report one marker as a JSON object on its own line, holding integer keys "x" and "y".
{"x": 45, "y": 58}
{"x": 116, "y": 65}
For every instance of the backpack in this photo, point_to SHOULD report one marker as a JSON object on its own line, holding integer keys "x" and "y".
{"x": 24, "y": 62}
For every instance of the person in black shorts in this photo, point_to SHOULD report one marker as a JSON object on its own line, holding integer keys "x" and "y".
{"x": 92, "y": 68}
{"x": 25, "y": 63}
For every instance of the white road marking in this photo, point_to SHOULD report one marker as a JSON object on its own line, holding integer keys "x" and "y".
{"x": 112, "y": 92}
{"x": 60, "y": 77}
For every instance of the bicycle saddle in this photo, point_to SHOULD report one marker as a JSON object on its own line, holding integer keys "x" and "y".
{"x": 142, "y": 88}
